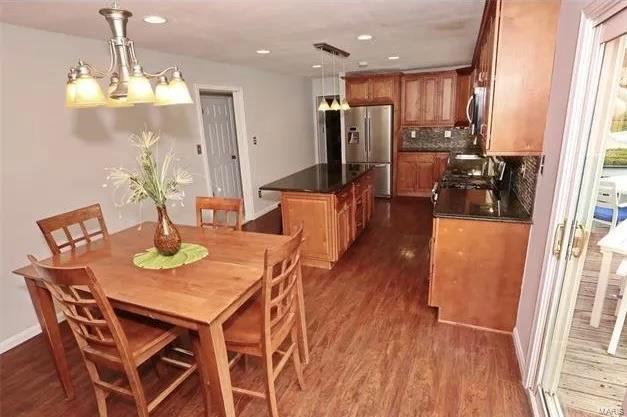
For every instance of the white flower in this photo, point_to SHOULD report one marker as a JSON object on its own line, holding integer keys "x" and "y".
{"x": 146, "y": 140}
{"x": 182, "y": 177}
{"x": 119, "y": 176}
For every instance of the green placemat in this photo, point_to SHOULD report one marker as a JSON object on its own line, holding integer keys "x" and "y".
{"x": 151, "y": 259}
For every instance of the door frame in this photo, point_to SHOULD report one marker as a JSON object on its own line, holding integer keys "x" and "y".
{"x": 581, "y": 106}
{"x": 242, "y": 143}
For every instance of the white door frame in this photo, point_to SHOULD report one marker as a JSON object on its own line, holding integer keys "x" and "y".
{"x": 242, "y": 141}
{"x": 582, "y": 98}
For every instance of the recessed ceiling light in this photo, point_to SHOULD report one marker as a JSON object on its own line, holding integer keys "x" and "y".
{"x": 154, "y": 19}
{"x": 316, "y": 66}
{"x": 364, "y": 37}
{"x": 263, "y": 51}
{"x": 393, "y": 58}
{"x": 363, "y": 63}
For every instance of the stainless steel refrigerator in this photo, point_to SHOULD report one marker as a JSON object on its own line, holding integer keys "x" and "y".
{"x": 369, "y": 140}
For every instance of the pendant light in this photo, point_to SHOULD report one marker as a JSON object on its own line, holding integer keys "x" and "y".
{"x": 335, "y": 105}
{"x": 343, "y": 102}
{"x": 128, "y": 83}
{"x": 324, "y": 106}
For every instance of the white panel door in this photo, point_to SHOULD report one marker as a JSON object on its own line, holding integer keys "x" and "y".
{"x": 221, "y": 145}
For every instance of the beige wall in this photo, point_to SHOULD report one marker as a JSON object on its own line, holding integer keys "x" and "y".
{"x": 560, "y": 87}
{"x": 53, "y": 159}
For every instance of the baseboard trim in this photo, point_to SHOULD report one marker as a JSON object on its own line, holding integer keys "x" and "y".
{"x": 265, "y": 210}
{"x": 24, "y": 335}
{"x": 520, "y": 356}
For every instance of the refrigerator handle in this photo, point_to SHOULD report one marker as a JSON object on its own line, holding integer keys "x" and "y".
{"x": 369, "y": 144}
{"x": 367, "y": 135}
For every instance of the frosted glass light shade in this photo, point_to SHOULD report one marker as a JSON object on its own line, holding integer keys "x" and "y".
{"x": 324, "y": 106}
{"x": 344, "y": 105}
{"x": 70, "y": 94}
{"x": 335, "y": 105}
{"x": 116, "y": 102}
{"x": 162, "y": 95}
{"x": 88, "y": 93}
{"x": 140, "y": 90}
{"x": 179, "y": 94}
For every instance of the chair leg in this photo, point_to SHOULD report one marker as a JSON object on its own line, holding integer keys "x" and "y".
{"x": 618, "y": 326}
{"x": 270, "y": 391}
{"x": 101, "y": 401}
{"x": 296, "y": 358}
{"x": 621, "y": 293}
{"x": 245, "y": 363}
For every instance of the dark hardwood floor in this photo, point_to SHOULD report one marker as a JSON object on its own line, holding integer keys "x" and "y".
{"x": 376, "y": 348}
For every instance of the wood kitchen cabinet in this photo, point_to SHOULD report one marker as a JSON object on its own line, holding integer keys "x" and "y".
{"x": 513, "y": 61}
{"x": 429, "y": 99}
{"x": 463, "y": 91}
{"x": 483, "y": 293}
{"x": 372, "y": 89}
{"x": 418, "y": 172}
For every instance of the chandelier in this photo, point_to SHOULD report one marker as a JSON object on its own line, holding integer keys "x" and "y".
{"x": 129, "y": 84}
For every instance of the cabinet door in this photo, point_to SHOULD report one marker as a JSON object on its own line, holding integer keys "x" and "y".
{"x": 429, "y": 101}
{"x": 439, "y": 166}
{"x": 411, "y": 100}
{"x": 446, "y": 97}
{"x": 343, "y": 229}
{"x": 489, "y": 49}
{"x": 407, "y": 176}
{"x": 462, "y": 95}
{"x": 358, "y": 90}
{"x": 425, "y": 177}
{"x": 383, "y": 89}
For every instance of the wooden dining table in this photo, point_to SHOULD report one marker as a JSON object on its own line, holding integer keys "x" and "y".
{"x": 199, "y": 297}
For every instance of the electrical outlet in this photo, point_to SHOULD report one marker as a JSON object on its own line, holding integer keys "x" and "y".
{"x": 259, "y": 193}
{"x": 254, "y": 140}
{"x": 447, "y": 133}
{"x": 413, "y": 134}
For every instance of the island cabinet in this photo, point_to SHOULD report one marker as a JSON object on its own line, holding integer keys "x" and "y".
{"x": 476, "y": 271}
{"x": 332, "y": 221}
{"x": 418, "y": 172}
{"x": 513, "y": 63}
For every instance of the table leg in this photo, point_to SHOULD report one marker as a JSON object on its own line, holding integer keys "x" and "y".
{"x": 46, "y": 314}
{"x": 303, "y": 343}
{"x": 599, "y": 296}
{"x": 213, "y": 367}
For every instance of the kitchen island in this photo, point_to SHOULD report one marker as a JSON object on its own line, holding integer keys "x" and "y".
{"x": 333, "y": 202}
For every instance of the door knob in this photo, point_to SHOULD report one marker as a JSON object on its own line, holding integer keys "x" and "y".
{"x": 233, "y": 157}
{"x": 579, "y": 242}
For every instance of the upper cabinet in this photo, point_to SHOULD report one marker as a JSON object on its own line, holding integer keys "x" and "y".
{"x": 513, "y": 63}
{"x": 463, "y": 92}
{"x": 371, "y": 89}
{"x": 429, "y": 99}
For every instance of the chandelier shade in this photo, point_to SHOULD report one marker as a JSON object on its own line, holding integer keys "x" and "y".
{"x": 129, "y": 84}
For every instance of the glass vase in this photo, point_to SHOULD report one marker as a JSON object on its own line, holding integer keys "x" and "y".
{"x": 167, "y": 238}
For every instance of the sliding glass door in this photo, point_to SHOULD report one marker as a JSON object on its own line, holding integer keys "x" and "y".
{"x": 584, "y": 367}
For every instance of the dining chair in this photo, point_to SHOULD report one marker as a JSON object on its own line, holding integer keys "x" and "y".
{"x": 118, "y": 343}
{"x": 261, "y": 328}
{"x": 220, "y": 208}
{"x": 77, "y": 221}
{"x": 621, "y": 309}
{"x": 609, "y": 209}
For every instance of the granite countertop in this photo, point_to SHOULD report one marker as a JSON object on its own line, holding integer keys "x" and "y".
{"x": 479, "y": 205}
{"x": 321, "y": 178}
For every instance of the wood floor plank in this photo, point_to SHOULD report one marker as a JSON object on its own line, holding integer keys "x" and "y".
{"x": 377, "y": 349}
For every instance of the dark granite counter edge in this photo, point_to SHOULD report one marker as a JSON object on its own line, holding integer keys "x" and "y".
{"x": 303, "y": 190}
{"x": 483, "y": 218}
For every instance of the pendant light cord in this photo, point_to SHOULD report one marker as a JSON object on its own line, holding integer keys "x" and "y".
{"x": 324, "y": 97}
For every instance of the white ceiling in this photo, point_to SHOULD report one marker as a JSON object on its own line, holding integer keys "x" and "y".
{"x": 424, "y": 33}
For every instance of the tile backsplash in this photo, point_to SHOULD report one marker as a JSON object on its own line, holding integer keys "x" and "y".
{"x": 433, "y": 138}
{"x": 524, "y": 178}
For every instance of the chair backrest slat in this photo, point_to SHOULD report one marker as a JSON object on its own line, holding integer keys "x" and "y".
{"x": 63, "y": 222}
{"x": 282, "y": 271}
{"x": 219, "y": 209}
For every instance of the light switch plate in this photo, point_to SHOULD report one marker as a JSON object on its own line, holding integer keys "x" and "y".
{"x": 413, "y": 134}
{"x": 447, "y": 133}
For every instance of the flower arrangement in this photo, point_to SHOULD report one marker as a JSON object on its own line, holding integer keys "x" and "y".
{"x": 161, "y": 184}
{"x": 149, "y": 181}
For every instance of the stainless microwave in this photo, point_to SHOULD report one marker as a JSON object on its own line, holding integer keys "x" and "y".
{"x": 475, "y": 110}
